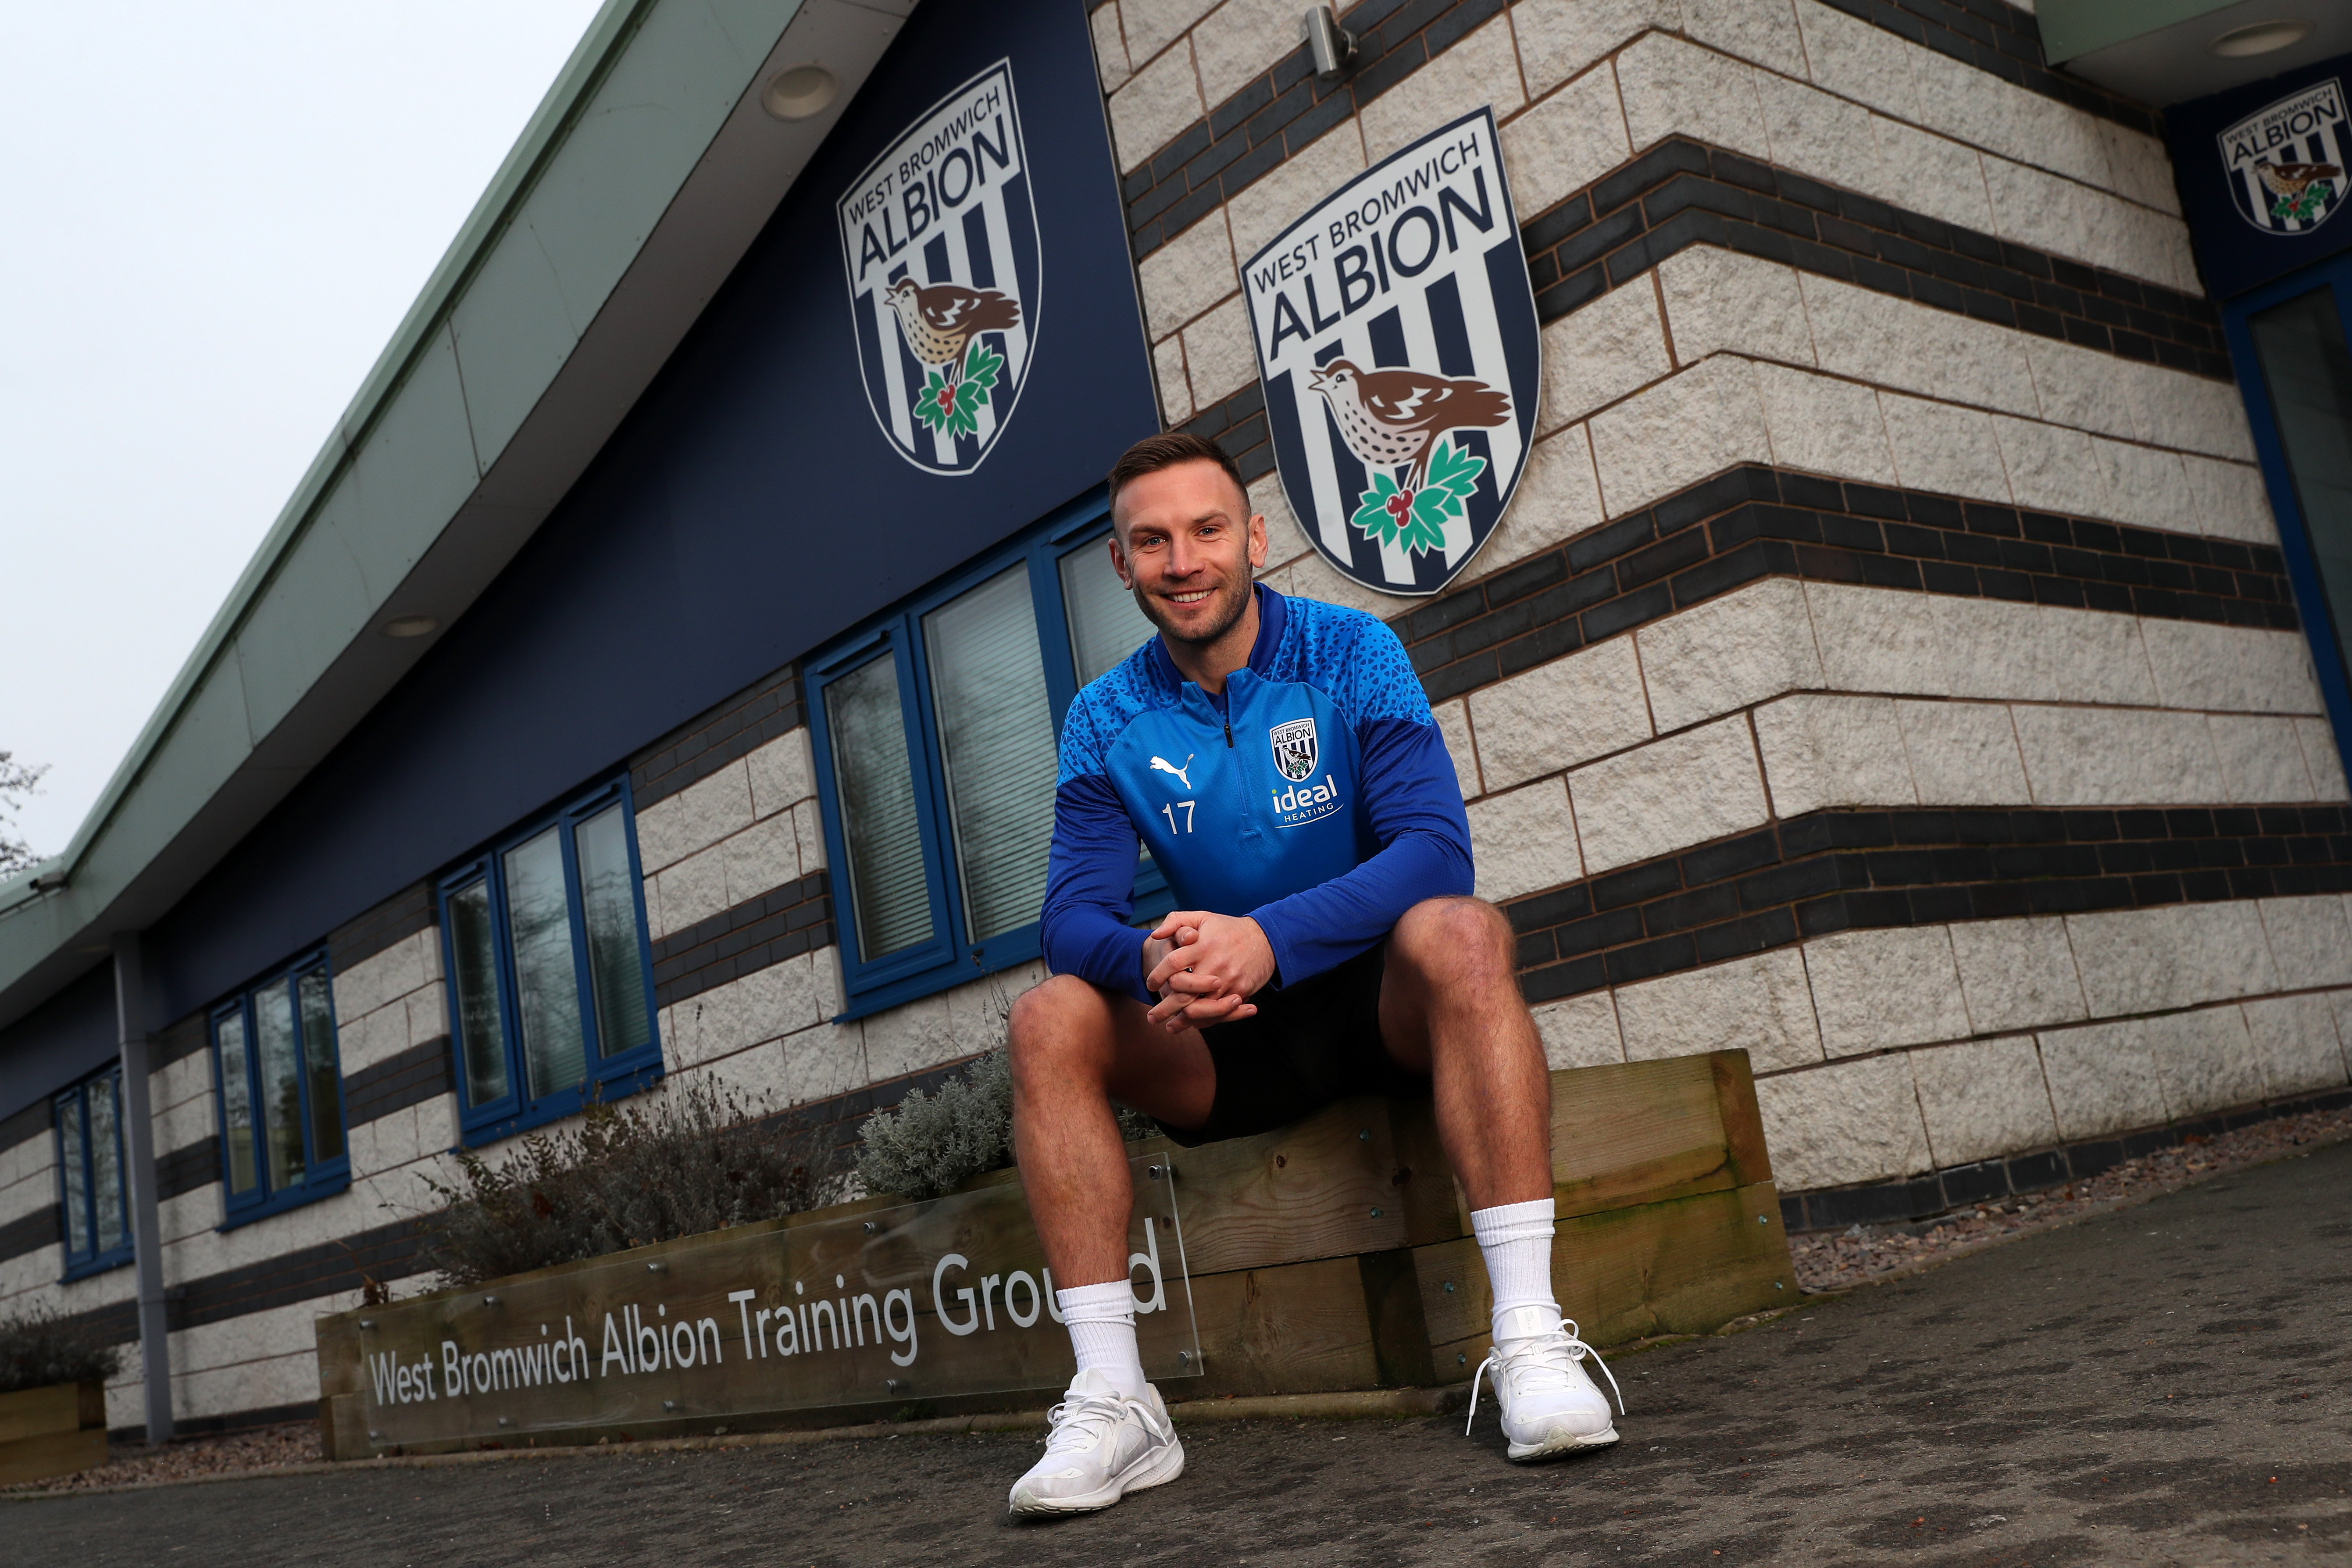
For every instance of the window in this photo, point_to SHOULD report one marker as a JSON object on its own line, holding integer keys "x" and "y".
{"x": 90, "y": 1185}
{"x": 2295, "y": 370}
{"x": 550, "y": 976}
{"x": 281, "y": 1093}
{"x": 935, "y": 732}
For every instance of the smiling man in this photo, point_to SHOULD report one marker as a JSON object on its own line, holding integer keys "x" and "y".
{"x": 1278, "y": 759}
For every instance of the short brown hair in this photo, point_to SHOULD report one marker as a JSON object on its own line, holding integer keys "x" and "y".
{"x": 1166, "y": 451}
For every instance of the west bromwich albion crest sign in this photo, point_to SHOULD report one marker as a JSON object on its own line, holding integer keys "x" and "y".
{"x": 940, "y": 235}
{"x": 2286, "y": 161}
{"x": 1403, "y": 365}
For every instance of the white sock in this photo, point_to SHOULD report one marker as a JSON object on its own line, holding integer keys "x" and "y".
{"x": 1516, "y": 1241}
{"x": 1101, "y": 1319}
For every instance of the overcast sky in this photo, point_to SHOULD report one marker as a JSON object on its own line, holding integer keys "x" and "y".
{"x": 215, "y": 216}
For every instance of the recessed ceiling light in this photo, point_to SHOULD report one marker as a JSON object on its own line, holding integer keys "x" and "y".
{"x": 409, "y": 626}
{"x": 800, "y": 92}
{"x": 2261, "y": 38}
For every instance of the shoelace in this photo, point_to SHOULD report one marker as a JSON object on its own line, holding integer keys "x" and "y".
{"x": 1540, "y": 1346}
{"x": 1091, "y": 1415}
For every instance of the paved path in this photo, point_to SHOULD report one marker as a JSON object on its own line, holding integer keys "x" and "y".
{"x": 2165, "y": 1385}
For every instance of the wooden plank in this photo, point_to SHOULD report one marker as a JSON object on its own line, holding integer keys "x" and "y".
{"x": 1687, "y": 1265}
{"x": 39, "y": 1412}
{"x": 1743, "y": 1122}
{"x": 49, "y": 1454}
{"x": 1330, "y": 1186}
{"x": 1638, "y": 1133}
{"x": 1299, "y": 1329}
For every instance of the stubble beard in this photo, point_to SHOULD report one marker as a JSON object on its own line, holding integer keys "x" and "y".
{"x": 1231, "y": 601}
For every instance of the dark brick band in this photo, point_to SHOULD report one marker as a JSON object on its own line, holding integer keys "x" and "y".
{"x": 795, "y": 918}
{"x": 188, "y": 1169}
{"x": 768, "y": 708}
{"x": 385, "y": 1253}
{"x": 29, "y": 1123}
{"x": 30, "y": 1233}
{"x": 1843, "y": 870}
{"x": 1681, "y": 194}
{"x": 1988, "y": 1181}
{"x": 1753, "y": 523}
{"x": 412, "y": 1077}
{"x": 1283, "y": 111}
{"x": 395, "y": 920}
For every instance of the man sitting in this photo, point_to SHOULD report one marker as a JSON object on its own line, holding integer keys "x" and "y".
{"x": 1278, "y": 758}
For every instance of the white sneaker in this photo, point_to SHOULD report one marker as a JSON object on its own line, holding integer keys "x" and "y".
{"x": 1550, "y": 1404}
{"x": 1101, "y": 1446}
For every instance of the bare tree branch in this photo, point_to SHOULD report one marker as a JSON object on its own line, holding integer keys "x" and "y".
{"x": 17, "y": 779}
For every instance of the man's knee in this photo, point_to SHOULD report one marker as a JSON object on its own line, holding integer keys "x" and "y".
{"x": 1455, "y": 935}
{"x": 1053, "y": 1023}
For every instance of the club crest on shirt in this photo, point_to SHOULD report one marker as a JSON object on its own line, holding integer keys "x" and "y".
{"x": 1294, "y": 749}
{"x": 2286, "y": 161}
{"x": 939, "y": 235}
{"x": 1402, "y": 362}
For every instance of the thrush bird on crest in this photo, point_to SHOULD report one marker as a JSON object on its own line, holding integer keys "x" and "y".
{"x": 941, "y": 319}
{"x": 1390, "y": 416}
{"x": 2291, "y": 179}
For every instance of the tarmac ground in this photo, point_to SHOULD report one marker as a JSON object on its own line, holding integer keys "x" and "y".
{"x": 2160, "y": 1385}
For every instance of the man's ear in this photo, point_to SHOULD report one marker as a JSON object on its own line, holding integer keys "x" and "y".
{"x": 1258, "y": 539}
{"x": 1118, "y": 560}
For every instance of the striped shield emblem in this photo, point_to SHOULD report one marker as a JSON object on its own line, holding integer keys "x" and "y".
{"x": 939, "y": 238}
{"x": 1398, "y": 346}
{"x": 2287, "y": 161}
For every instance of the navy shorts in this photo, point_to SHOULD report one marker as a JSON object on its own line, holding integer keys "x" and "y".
{"x": 1308, "y": 1045}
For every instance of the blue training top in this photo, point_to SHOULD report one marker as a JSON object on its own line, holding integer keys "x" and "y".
{"x": 1315, "y": 795}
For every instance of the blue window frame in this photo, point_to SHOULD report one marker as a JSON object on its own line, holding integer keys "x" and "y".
{"x": 550, "y": 974}
{"x": 2288, "y": 344}
{"x": 91, "y": 1192}
{"x": 280, "y": 1082}
{"x": 935, "y": 728}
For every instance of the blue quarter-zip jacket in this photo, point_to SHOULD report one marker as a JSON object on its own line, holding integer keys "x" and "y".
{"x": 1316, "y": 796}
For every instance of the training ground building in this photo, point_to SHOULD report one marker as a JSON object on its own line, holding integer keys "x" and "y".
{"x": 1909, "y": 652}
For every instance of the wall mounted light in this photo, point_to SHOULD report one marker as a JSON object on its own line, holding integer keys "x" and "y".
{"x": 800, "y": 92}
{"x": 1332, "y": 46}
{"x": 2261, "y": 38}
{"x": 49, "y": 881}
{"x": 409, "y": 626}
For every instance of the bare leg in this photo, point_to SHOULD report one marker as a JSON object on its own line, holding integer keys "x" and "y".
{"x": 1450, "y": 1007}
{"x": 1076, "y": 1048}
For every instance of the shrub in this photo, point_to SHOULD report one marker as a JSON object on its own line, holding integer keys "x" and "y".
{"x": 688, "y": 1161}
{"x": 928, "y": 1143}
{"x": 42, "y": 1346}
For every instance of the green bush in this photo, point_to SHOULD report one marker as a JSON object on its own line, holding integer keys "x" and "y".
{"x": 42, "y": 1346}
{"x": 682, "y": 1162}
{"x": 928, "y": 1143}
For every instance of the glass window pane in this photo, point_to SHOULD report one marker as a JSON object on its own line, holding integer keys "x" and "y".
{"x": 996, "y": 745}
{"x": 2308, "y": 370}
{"x": 482, "y": 1042}
{"x": 616, "y": 964}
{"x": 319, "y": 1061}
{"x": 547, "y": 982}
{"x": 237, "y": 1103}
{"x": 106, "y": 1165}
{"x": 72, "y": 1157}
{"x": 887, "y": 889}
{"x": 1106, "y": 626}
{"x": 281, "y": 1085}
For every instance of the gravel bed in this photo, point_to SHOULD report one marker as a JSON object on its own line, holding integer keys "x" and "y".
{"x": 131, "y": 1464}
{"x": 1829, "y": 1260}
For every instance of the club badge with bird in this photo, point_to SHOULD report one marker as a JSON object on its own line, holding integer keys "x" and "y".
{"x": 2299, "y": 188}
{"x": 1400, "y": 417}
{"x": 942, "y": 323}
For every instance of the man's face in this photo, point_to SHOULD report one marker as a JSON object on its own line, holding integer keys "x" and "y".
{"x": 1184, "y": 540}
